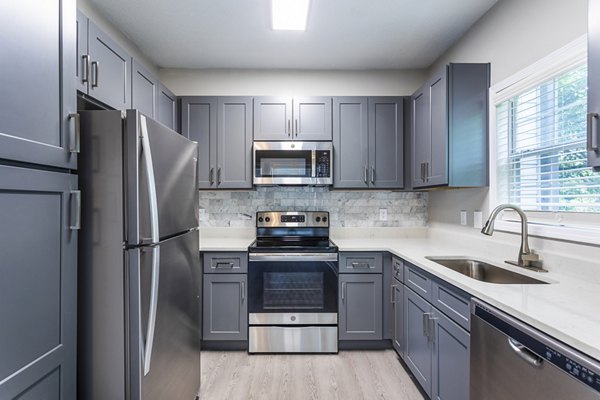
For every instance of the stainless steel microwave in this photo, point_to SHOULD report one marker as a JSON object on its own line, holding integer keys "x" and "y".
{"x": 293, "y": 163}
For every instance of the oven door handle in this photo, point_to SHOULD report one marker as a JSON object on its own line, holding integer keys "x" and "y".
{"x": 293, "y": 257}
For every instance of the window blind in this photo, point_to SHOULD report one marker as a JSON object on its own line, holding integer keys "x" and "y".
{"x": 541, "y": 138}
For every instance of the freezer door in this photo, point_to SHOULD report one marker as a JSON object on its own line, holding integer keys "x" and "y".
{"x": 162, "y": 184}
{"x": 165, "y": 330}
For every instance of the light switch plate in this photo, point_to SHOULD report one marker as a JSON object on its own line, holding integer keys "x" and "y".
{"x": 463, "y": 217}
{"x": 383, "y": 214}
{"x": 477, "y": 219}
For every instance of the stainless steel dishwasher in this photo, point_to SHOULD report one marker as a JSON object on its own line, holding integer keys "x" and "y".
{"x": 511, "y": 360}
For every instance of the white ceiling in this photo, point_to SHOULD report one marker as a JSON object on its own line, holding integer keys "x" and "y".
{"x": 341, "y": 34}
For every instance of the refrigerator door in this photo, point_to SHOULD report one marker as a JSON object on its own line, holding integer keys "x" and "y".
{"x": 162, "y": 184}
{"x": 165, "y": 339}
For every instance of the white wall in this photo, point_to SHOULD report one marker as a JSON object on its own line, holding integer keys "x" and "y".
{"x": 212, "y": 82}
{"x": 512, "y": 35}
{"x": 92, "y": 13}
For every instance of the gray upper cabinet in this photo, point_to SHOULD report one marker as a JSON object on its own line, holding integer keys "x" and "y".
{"x": 360, "y": 307}
{"x": 593, "y": 145}
{"x": 144, "y": 90}
{"x": 167, "y": 108}
{"x": 222, "y": 126}
{"x": 36, "y": 59}
{"x": 418, "y": 346}
{"x": 300, "y": 118}
{"x": 225, "y": 309}
{"x": 38, "y": 288}
{"x": 368, "y": 139}
{"x": 104, "y": 67}
{"x": 449, "y": 132}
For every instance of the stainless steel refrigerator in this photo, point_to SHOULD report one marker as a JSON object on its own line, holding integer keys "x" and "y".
{"x": 139, "y": 266}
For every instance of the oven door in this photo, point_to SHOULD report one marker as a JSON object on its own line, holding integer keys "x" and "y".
{"x": 284, "y": 163}
{"x": 293, "y": 289}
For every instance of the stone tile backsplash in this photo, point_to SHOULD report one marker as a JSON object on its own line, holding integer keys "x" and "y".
{"x": 347, "y": 209}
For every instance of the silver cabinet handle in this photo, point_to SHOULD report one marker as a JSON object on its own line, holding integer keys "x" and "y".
{"x": 243, "y": 291}
{"x": 592, "y": 131}
{"x": 525, "y": 354}
{"x": 211, "y": 175}
{"x": 224, "y": 265}
{"x": 431, "y": 320}
{"x": 289, "y": 127}
{"x": 360, "y": 265}
{"x": 425, "y": 322}
{"x": 219, "y": 176}
{"x": 296, "y": 127}
{"x": 75, "y": 140}
{"x": 85, "y": 68}
{"x": 373, "y": 175}
{"x": 76, "y": 194}
{"x": 427, "y": 171}
{"x": 393, "y": 294}
{"x": 343, "y": 290}
{"x": 95, "y": 73}
{"x": 422, "y": 172}
{"x": 366, "y": 179}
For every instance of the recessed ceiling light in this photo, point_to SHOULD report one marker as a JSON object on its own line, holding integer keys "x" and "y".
{"x": 289, "y": 15}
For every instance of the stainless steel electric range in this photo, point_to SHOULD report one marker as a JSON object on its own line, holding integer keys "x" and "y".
{"x": 293, "y": 284}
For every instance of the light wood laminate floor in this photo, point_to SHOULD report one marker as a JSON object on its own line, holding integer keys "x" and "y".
{"x": 349, "y": 375}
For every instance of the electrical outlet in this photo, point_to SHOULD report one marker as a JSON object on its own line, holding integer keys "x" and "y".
{"x": 202, "y": 214}
{"x": 383, "y": 214}
{"x": 477, "y": 219}
{"x": 463, "y": 217}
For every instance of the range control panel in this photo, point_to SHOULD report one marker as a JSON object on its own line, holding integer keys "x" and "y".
{"x": 274, "y": 219}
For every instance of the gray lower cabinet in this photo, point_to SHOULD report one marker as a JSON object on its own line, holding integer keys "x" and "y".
{"x": 38, "y": 285}
{"x": 144, "y": 90}
{"x": 36, "y": 60}
{"x": 222, "y": 126}
{"x": 449, "y": 132}
{"x": 300, "y": 118}
{"x": 225, "y": 307}
{"x": 418, "y": 346}
{"x": 368, "y": 140}
{"x": 104, "y": 67}
{"x": 167, "y": 108}
{"x": 593, "y": 95}
{"x": 360, "y": 307}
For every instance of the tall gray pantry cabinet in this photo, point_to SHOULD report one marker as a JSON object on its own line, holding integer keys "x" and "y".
{"x": 38, "y": 200}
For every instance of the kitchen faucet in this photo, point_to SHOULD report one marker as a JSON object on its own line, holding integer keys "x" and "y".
{"x": 527, "y": 258}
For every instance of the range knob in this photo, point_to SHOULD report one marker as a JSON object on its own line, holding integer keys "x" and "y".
{"x": 324, "y": 219}
{"x": 268, "y": 219}
{"x": 318, "y": 219}
{"x": 260, "y": 219}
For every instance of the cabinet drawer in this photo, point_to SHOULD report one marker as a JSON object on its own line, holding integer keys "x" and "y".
{"x": 223, "y": 263}
{"x": 361, "y": 263}
{"x": 454, "y": 303}
{"x": 398, "y": 269}
{"x": 418, "y": 281}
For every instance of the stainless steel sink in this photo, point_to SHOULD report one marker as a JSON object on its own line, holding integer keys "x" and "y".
{"x": 483, "y": 271}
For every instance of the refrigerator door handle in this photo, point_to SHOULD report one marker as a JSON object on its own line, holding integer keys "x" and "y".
{"x": 147, "y": 353}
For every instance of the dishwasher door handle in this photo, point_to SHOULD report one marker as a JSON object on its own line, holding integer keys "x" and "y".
{"x": 527, "y": 355}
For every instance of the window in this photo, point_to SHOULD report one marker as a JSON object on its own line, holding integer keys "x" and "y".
{"x": 538, "y": 154}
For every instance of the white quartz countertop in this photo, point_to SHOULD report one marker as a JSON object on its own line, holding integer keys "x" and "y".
{"x": 568, "y": 308}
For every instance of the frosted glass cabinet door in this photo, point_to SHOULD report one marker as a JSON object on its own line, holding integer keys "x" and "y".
{"x": 38, "y": 90}
{"x": 38, "y": 285}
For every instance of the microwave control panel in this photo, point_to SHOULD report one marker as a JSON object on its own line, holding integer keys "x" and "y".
{"x": 323, "y": 163}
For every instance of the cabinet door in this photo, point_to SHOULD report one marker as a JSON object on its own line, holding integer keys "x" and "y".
{"x": 38, "y": 288}
{"x": 450, "y": 360}
{"x": 312, "y": 118}
{"x": 167, "y": 107}
{"x": 110, "y": 68}
{"x": 398, "y": 317}
{"x": 437, "y": 167}
{"x": 418, "y": 346}
{"x": 421, "y": 135}
{"x": 82, "y": 66}
{"x": 272, "y": 118}
{"x": 225, "y": 315}
{"x": 38, "y": 90}
{"x": 386, "y": 142}
{"x": 350, "y": 143}
{"x": 594, "y": 82}
{"x": 144, "y": 90}
{"x": 234, "y": 143}
{"x": 360, "y": 307}
{"x": 199, "y": 123}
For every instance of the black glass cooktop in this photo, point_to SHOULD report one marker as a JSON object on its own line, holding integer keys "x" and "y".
{"x": 293, "y": 244}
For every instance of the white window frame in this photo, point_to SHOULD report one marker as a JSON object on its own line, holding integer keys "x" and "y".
{"x": 575, "y": 227}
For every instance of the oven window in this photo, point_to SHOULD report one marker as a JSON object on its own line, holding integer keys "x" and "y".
{"x": 282, "y": 163}
{"x": 293, "y": 290}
